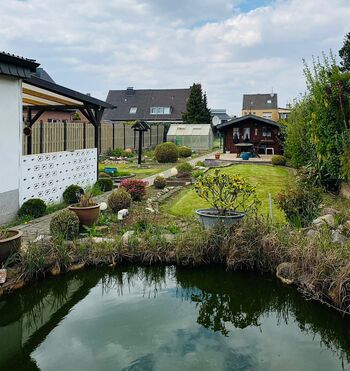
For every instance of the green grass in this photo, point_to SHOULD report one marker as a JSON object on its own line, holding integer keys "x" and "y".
{"x": 267, "y": 179}
{"x": 140, "y": 172}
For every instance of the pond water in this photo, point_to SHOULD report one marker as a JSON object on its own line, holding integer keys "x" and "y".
{"x": 167, "y": 318}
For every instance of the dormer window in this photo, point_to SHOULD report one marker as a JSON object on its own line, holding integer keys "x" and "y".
{"x": 160, "y": 110}
{"x": 269, "y": 101}
{"x": 133, "y": 110}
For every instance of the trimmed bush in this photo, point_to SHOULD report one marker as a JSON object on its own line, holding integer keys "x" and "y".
{"x": 105, "y": 184}
{"x": 184, "y": 170}
{"x": 159, "y": 182}
{"x": 185, "y": 151}
{"x": 279, "y": 160}
{"x": 166, "y": 152}
{"x": 200, "y": 163}
{"x": 72, "y": 194}
{"x": 136, "y": 188}
{"x": 119, "y": 200}
{"x": 65, "y": 223}
{"x": 34, "y": 207}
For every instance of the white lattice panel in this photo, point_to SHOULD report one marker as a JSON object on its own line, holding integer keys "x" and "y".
{"x": 47, "y": 175}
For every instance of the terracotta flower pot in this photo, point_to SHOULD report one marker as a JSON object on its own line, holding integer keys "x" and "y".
{"x": 11, "y": 244}
{"x": 87, "y": 215}
{"x": 217, "y": 156}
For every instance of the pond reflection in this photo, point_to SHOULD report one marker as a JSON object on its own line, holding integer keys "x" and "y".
{"x": 151, "y": 318}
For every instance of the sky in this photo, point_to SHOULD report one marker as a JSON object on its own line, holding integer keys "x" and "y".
{"x": 231, "y": 47}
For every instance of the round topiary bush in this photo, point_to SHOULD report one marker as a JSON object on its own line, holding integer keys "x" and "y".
{"x": 34, "y": 207}
{"x": 184, "y": 170}
{"x": 135, "y": 187}
{"x": 185, "y": 151}
{"x": 72, "y": 194}
{"x": 118, "y": 200}
{"x": 279, "y": 160}
{"x": 65, "y": 224}
{"x": 159, "y": 182}
{"x": 166, "y": 152}
{"x": 105, "y": 184}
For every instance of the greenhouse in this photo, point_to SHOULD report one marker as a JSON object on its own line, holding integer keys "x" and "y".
{"x": 196, "y": 136}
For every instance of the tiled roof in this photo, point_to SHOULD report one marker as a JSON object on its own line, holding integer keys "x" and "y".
{"x": 259, "y": 101}
{"x": 143, "y": 100}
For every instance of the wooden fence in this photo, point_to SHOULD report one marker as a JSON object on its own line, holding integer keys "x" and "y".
{"x": 55, "y": 137}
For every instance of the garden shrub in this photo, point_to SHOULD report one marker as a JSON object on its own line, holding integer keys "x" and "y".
{"x": 184, "y": 170}
{"x": 184, "y": 151}
{"x": 166, "y": 152}
{"x": 197, "y": 174}
{"x": 72, "y": 194}
{"x": 279, "y": 160}
{"x": 119, "y": 199}
{"x": 136, "y": 188}
{"x": 159, "y": 182}
{"x": 200, "y": 163}
{"x": 103, "y": 175}
{"x": 65, "y": 223}
{"x": 301, "y": 202}
{"x": 105, "y": 184}
{"x": 34, "y": 207}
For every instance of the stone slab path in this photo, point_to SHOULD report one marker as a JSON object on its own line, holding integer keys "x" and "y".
{"x": 41, "y": 226}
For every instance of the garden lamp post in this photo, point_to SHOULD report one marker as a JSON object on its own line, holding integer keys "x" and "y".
{"x": 141, "y": 127}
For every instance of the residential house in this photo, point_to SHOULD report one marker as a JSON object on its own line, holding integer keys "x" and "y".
{"x": 264, "y": 105}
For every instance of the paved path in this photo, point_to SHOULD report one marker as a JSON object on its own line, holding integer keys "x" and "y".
{"x": 41, "y": 226}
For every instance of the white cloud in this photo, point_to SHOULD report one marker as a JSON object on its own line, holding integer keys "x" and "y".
{"x": 158, "y": 44}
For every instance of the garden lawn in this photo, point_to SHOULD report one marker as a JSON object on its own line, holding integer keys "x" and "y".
{"x": 140, "y": 172}
{"x": 266, "y": 178}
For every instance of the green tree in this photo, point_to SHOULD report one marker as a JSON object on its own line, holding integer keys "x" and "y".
{"x": 344, "y": 54}
{"x": 197, "y": 111}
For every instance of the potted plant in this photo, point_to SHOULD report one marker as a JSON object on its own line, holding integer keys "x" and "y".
{"x": 230, "y": 196}
{"x": 10, "y": 242}
{"x": 86, "y": 209}
{"x": 217, "y": 156}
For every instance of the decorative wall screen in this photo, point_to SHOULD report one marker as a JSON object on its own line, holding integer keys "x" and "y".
{"x": 47, "y": 175}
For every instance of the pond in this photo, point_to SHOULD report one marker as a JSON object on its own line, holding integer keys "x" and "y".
{"x": 168, "y": 318}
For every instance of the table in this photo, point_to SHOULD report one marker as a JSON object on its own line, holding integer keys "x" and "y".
{"x": 246, "y": 147}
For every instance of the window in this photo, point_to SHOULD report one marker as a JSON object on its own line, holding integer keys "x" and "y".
{"x": 235, "y": 135}
{"x": 266, "y": 132}
{"x": 160, "y": 111}
{"x": 133, "y": 110}
{"x": 267, "y": 115}
{"x": 246, "y": 134}
{"x": 269, "y": 101}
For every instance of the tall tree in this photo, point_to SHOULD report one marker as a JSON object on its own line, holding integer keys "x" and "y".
{"x": 197, "y": 111}
{"x": 344, "y": 54}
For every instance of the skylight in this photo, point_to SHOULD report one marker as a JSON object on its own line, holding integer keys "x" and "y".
{"x": 133, "y": 110}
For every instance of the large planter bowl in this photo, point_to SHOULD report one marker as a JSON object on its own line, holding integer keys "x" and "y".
{"x": 87, "y": 215}
{"x": 10, "y": 245}
{"x": 210, "y": 218}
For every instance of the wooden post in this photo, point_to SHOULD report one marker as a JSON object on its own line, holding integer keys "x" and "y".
{"x": 139, "y": 155}
{"x": 64, "y": 135}
{"x": 113, "y": 133}
{"x": 41, "y": 138}
{"x": 29, "y": 137}
{"x": 84, "y": 135}
{"x": 150, "y": 137}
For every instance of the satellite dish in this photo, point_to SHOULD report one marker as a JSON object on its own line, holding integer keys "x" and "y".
{"x": 27, "y": 131}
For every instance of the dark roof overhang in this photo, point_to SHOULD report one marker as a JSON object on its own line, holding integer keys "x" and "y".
{"x": 247, "y": 117}
{"x": 15, "y": 66}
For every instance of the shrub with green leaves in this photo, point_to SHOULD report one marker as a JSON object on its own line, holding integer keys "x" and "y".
{"x": 65, "y": 224}
{"x": 72, "y": 194}
{"x": 184, "y": 151}
{"x": 278, "y": 160}
{"x": 166, "y": 152}
{"x": 200, "y": 163}
{"x": 34, "y": 207}
{"x": 159, "y": 182}
{"x": 184, "y": 170}
{"x": 118, "y": 200}
{"x": 105, "y": 184}
{"x": 197, "y": 174}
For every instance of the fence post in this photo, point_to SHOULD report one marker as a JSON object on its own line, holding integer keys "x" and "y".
{"x": 113, "y": 133}
{"x": 84, "y": 135}
{"x": 41, "y": 137}
{"x": 150, "y": 137}
{"x": 270, "y": 204}
{"x": 64, "y": 135}
{"x": 157, "y": 134}
{"x": 124, "y": 136}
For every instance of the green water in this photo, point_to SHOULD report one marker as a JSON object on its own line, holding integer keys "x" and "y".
{"x": 166, "y": 318}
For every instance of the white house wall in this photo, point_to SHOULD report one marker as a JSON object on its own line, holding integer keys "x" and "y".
{"x": 47, "y": 175}
{"x": 10, "y": 146}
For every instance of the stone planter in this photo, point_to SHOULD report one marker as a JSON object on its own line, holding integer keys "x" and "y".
{"x": 210, "y": 217}
{"x": 10, "y": 245}
{"x": 87, "y": 215}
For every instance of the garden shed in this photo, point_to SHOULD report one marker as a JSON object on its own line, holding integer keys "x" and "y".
{"x": 195, "y": 136}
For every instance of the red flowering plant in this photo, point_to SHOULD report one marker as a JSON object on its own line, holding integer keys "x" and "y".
{"x": 136, "y": 188}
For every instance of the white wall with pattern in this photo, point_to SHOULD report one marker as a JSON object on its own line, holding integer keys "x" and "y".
{"x": 47, "y": 175}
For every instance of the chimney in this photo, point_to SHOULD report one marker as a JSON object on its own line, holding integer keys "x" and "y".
{"x": 130, "y": 91}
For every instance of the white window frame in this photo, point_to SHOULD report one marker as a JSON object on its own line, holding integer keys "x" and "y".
{"x": 267, "y": 132}
{"x": 267, "y": 115}
{"x": 160, "y": 110}
{"x": 133, "y": 110}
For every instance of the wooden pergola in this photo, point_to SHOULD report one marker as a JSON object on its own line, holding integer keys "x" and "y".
{"x": 39, "y": 95}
